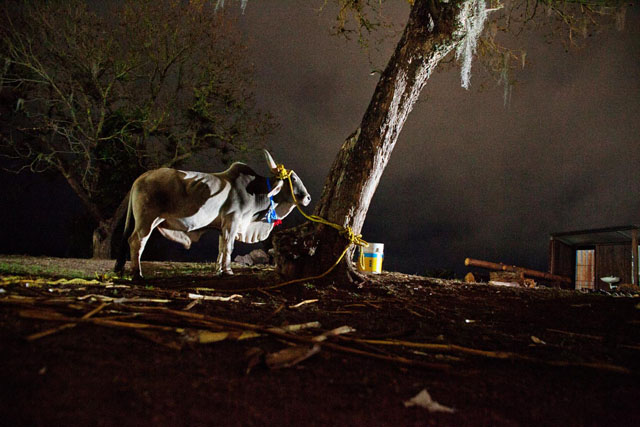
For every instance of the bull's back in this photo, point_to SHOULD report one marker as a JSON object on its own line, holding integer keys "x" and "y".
{"x": 171, "y": 193}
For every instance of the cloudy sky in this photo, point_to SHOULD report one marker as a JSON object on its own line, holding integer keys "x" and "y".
{"x": 469, "y": 177}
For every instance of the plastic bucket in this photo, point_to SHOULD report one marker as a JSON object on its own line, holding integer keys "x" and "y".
{"x": 371, "y": 258}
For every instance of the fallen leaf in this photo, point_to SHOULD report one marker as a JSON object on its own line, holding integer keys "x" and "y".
{"x": 309, "y": 301}
{"x": 290, "y": 356}
{"x": 537, "y": 340}
{"x": 255, "y": 356}
{"x": 423, "y": 400}
{"x": 190, "y": 305}
{"x": 162, "y": 339}
{"x": 334, "y": 332}
{"x": 298, "y": 327}
{"x": 207, "y": 337}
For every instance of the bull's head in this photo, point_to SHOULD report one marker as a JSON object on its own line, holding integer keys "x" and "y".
{"x": 301, "y": 193}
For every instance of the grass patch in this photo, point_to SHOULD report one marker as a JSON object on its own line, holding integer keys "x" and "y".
{"x": 10, "y": 268}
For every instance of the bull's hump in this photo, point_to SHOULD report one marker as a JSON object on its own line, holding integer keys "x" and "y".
{"x": 236, "y": 170}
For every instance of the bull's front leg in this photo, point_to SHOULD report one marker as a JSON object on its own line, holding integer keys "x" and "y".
{"x": 225, "y": 248}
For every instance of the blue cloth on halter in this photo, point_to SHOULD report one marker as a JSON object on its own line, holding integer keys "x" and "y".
{"x": 271, "y": 213}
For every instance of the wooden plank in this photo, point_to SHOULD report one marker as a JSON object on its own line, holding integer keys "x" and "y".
{"x": 562, "y": 261}
{"x": 634, "y": 256}
{"x": 526, "y": 271}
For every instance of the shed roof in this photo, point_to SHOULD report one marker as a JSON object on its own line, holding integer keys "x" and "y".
{"x": 622, "y": 234}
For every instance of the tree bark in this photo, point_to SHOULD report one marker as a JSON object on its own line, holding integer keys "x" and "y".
{"x": 103, "y": 247}
{"x": 102, "y": 239}
{"x": 432, "y": 31}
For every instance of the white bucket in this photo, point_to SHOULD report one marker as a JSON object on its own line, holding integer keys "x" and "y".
{"x": 371, "y": 258}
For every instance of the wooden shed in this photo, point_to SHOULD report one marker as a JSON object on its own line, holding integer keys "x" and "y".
{"x": 587, "y": 256}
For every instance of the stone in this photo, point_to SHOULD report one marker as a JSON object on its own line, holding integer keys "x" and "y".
{"x": 259, "y": 256}
{"x": 244, "y": 260}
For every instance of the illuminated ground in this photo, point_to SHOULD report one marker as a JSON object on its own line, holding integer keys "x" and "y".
{"x": 497, "y": 356}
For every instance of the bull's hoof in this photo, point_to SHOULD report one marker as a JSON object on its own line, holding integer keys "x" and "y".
{"x": 228, "y": 272}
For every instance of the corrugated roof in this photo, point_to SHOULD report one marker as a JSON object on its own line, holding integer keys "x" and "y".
{"x": 596, "y": 236}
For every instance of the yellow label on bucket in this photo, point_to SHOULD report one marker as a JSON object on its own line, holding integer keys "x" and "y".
{"x": 371, "y": 258}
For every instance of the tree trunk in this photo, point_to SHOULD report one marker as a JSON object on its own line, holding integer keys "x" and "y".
{"x": 102, "y": 238}
{"x": 103, "y": 235}
{"x": 432, "y": 31}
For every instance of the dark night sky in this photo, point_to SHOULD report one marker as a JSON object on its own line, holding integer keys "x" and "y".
{"x": 468, "y": 177}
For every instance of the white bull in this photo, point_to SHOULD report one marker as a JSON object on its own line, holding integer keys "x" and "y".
{"x": 183, "y": 205}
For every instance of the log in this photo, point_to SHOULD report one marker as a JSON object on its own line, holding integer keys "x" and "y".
{"x": 526, "y": 271}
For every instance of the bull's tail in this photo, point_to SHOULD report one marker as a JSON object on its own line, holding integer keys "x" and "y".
{"x": 124, "y": 243}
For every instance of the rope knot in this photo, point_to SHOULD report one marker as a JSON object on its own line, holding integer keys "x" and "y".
{"x": 282, "y": 173}
{"x": 352, "y": 237}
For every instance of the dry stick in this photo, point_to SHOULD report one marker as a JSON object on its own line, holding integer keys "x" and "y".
{"x": 575, "y": 334}
{"x": 201, "y": 318}
{"x": 204, "y": 319}
{"x": 367, "y": 346}
{"x": 48, "y": 332}
{"x": 300, "y": 339}
{"x": 377, "y": 307}
{"x": 336, "y": 347}
{"x": 275, "y": 312}
{"x": 20, "y": 300}
{"x": 407, "y": 302}
{"x": 394, "y": 359}
{"x": 415, "y": 313}
{"x": 495, "y": 354}
{"x": 57, "y": 317}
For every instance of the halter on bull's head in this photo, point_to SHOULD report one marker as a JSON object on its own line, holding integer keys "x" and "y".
{"x": 284, "y": 196}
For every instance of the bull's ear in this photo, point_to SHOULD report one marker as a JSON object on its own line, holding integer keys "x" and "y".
{"x": 276, "y": 188}
{"x": 272, "y": 163}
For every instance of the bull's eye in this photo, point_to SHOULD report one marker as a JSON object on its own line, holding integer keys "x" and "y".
{"x": 295, "y": 178}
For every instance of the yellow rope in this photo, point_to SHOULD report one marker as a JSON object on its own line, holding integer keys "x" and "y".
{"x": 353, "y": 238}
{"x": 347, "y": 232}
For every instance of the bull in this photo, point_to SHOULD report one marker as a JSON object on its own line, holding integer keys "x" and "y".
{"x": 183, "y": 205}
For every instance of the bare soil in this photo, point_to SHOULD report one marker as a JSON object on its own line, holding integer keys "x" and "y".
{"x": 496, "y": 355}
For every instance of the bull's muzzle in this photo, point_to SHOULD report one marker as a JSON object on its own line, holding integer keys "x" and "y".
{"x": 306, "y": 200}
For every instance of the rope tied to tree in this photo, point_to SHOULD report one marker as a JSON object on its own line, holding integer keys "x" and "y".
{"x": 347, "y": 232}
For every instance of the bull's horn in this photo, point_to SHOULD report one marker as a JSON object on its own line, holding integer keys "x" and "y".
{"x": 272, "y": 164}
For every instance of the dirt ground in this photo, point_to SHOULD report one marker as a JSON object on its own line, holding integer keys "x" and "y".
{"x": 164, "y": 351}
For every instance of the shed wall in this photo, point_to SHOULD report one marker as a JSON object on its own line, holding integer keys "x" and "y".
{"x": 563, "y": 259}
{"x": 613, "y": 260}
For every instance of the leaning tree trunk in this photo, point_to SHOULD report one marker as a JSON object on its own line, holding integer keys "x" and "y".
{"x": 430, "y": 34}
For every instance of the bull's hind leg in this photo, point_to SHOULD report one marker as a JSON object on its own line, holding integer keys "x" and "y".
{"x": 225, "y": 248}
{"x": 137, "y": 242}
